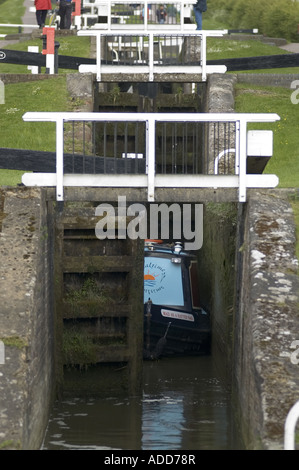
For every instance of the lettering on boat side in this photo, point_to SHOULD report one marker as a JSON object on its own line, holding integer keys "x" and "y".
{"x": 151, "y": 223}
{"x": 177, "y": 315}
{"x": 156, "y": 459}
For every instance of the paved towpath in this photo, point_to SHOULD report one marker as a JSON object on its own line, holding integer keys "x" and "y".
{"x": 29, "y": 16}
{"x": 292, "y": 47}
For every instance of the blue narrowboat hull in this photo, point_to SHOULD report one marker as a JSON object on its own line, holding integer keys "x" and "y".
{"x": 175, "y": 324}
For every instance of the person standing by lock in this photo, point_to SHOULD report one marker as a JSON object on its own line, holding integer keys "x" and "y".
{"x": 199, "y": 8}
{"x": 41, "y": 10}
{"x": 161, "y": 14}
{"x": 65, "y": 13}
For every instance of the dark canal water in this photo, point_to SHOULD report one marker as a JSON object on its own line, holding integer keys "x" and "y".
{"x": 185, "y": 406}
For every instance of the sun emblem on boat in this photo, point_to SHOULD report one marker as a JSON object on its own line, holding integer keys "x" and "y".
{"x": 150, "y": 277}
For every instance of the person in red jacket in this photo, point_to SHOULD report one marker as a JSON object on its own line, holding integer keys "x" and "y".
{"x": 42, "y": 7}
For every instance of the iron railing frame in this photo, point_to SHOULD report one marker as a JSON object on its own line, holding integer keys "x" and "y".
{"x": 151, "y": 180}
{"x": 201, "y": 68}
{"x": 180, "y": 4}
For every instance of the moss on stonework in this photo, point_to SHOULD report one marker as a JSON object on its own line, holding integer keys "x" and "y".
{"x": 14, "y": 341}
{"x": 10, "y": 445}
{"x": 76, "y": 345}
{"x": 223, "y": 210}
{"x": 92, "y": 296}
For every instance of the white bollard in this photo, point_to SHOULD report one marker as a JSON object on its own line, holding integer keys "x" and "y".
{"x": 33, "y": 68}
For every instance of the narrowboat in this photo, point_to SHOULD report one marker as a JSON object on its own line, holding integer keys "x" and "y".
{"x": 175, "y": 323}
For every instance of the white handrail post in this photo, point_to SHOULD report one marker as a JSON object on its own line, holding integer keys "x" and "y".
{"x": 203, "y": 56}
{"x": 241, "y": 146}
{"x": 109, "y": 17}
{"x": 150, "y": 157}
{"x": 151, "y": 56}
{"x": 290, "y": 427}
{"x": 99, "y": 59}
{"x": 237, "y": 150}
{"x": 59, "y": 158}
{"x": 145, "y": 15}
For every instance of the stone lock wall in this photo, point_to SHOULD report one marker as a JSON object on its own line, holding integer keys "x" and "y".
{"x": 26, "y": 329}
{"x": 265, "y": 321}
{"x": 265, "y": 379}
{"x": 217, "y": 276}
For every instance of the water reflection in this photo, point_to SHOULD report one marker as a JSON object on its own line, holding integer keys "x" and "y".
{"x": 185, "y": 405}
{"x": 162, "y": 417}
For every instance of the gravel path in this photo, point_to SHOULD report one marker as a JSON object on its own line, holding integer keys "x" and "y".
{"x": 292, "y": 47}
{"x": 28, "y": 18}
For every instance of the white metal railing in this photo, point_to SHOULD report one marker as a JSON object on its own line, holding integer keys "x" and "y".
{"x": 150, "y": 66}
{"x": 132, "y": 14}
{"x": 6, "y": 25}
{"x": 290, "y": 427}
{"x": 221, "y": 155}
{"x": 150, "y": 179}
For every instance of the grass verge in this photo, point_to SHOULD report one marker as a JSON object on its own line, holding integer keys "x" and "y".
{"x": 257, "y": 99}
{"x": 45, "y": 95}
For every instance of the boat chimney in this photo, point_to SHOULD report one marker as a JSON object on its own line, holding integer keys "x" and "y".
{"x": 178, "y": 247}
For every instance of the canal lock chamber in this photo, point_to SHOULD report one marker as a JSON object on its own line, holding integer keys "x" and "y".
{"x": 112, "y": 289}
{"x": 86, "y": 289}
{"x": 46, "y": 232}
{"x": 226, "y": 282}
{"x": 69, "y": 282}
{"x": 64, "y": 266}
